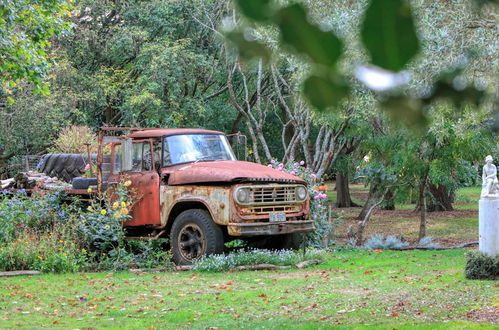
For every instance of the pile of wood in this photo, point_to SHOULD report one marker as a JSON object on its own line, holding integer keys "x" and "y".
{"x": 30, "y": 180}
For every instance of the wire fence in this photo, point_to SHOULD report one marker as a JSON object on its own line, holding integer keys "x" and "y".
{"x": 24, "y": 164}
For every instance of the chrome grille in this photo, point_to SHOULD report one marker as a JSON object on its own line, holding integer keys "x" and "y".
{"x": 265, "y": 195}
{"x": 272, "y": 194}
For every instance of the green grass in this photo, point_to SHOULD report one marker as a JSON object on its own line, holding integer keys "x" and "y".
{"x": 421, "y": 289}
{"x": 466, "y": 199}
{"x": 354, "y": 188}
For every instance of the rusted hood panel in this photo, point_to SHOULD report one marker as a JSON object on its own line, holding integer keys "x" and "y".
{"x": 225, "y": 171}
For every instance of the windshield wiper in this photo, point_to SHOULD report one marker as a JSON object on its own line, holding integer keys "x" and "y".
{"x": 204, "y": 159}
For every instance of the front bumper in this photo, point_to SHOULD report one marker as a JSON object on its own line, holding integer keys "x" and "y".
{"x": 270, "y": 228}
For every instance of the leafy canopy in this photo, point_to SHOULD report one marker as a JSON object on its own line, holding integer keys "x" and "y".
{"x": 25, "y": 31}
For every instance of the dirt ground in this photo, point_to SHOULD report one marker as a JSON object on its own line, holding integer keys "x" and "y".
{"x": 447, "y": 228}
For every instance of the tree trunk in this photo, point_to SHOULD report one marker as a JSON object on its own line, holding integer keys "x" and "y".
{"x": 343, "y": 198}
{"x": 371, "y": 199}
{"x": 443, "y": 199}
{"x": 422, "y": 203}
{"x": 389, "y": 201}
{"x": 376, "y": 201}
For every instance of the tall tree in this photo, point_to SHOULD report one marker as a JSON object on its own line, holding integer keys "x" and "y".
{"x": 26, "y": 28}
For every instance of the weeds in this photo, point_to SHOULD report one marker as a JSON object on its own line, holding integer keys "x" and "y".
{"x": 480, "y": 266}
{"x": 221, "y": 262}
{"x": 379, "y": 242}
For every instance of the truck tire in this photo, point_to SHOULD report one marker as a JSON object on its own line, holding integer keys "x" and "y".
{"x": 193, "y": 235}
{"x": 69, "y": 166}
{"x": 63, "y": 166}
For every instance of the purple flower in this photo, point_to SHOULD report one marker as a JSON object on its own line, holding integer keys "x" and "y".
{"x": 292, "y": 173}
{"x": 313, "y": 176}
{"x": 270, "y": 165}
{"x": 272, "y": 161}
{"x": 281, "y": 165}
{"x": 302, "y": 162}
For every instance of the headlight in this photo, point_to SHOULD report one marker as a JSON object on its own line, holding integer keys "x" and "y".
{"x": 242, "y": 195}
{"x": 301, "y": 193}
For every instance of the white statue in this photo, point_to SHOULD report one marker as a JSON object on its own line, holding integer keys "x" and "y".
{"x": 489, "y": 179}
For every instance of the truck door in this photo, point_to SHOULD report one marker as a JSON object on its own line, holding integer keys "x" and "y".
{"x": 144, "y": 178}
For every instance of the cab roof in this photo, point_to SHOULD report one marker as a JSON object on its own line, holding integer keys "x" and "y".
{"x": 159, "y": 132}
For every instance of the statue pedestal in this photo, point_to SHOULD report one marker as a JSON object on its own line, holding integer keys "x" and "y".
{"x": 488, "y": 214}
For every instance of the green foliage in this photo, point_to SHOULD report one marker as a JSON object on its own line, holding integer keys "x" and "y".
{"x": 45, "y": 252}
{"x": 480, "y": 266}
{"x": 323, "y": 92}
{"x": 101, "y": 228}
{"x": 220, "y": 263}
{"x": 380, "y": 242}
{"x": 247, "y": 49}
{"x": 40, "y": 233}
{"x": 73, "y": 140}
{"x": 389, "y": 34}
{"x": 306, "y": 38}
{"x": 258, "y": 10}
{"x": 26, "y": 28}
{"x": 18, "y": 212}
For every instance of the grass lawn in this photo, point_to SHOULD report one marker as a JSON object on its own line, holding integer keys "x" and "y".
{"x": 421, "y": 289}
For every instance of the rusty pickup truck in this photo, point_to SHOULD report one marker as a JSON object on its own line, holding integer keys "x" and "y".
{"x": 192, "y": 190}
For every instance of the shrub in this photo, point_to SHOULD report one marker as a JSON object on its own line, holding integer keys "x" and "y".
{"x": 101, "y": 227}
{"x": 47, "y": 253}
{"x": 72, "y": 140}
{"x": 221, "y": 262}
{"x": 323, "y": 234}
{"x": 427, "y": 242}
{"x": 480, "y": 266}
{"x": 40, "y": 233}
{"x": 150, "y": 254}
{"x": 379, "y": 242}
{"x": 18, "y": 212}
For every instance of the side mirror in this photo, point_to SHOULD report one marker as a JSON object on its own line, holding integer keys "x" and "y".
{"x": 126, "y": 159}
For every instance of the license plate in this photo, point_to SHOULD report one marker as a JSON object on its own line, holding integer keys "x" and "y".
{"x": 277, "y": 217}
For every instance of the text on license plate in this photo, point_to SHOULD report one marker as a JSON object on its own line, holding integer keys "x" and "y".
{"x": 277, "y": 217}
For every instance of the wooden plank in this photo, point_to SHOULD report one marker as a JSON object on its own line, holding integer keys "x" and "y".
{"x": 20, "y": 273}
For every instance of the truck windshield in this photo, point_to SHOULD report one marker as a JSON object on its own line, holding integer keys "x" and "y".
{"x": 178, "y": 149}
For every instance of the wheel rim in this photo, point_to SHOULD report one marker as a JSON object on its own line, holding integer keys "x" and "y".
{"x": 191, "y": 242}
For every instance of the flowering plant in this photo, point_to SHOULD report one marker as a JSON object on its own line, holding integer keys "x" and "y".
{"x": 101, "y": 226}
{"x": 318, "y": 199}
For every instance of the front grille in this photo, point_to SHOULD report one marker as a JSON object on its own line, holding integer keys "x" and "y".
{"x": 264, "y": 195}
{"x": 272, "y": 194}
{"x": 265, "y": 210}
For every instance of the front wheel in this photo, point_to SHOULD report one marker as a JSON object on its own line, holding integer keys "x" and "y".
{"x": 193, "y": 235}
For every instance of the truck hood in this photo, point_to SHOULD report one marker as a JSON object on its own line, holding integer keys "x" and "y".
{"x": 226, "y": 171}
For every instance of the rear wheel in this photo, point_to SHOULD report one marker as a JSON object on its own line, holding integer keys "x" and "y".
{"x": 193, "y": 235}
